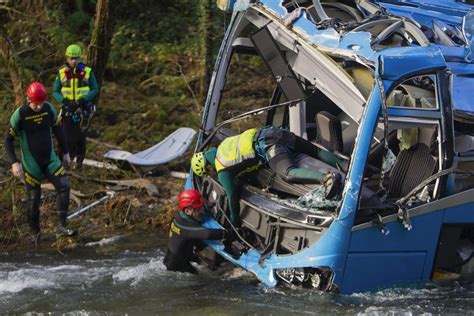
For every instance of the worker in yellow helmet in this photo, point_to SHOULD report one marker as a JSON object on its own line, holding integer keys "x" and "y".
{"x": 75, "y": 87}
{"x": 273, "y": 146}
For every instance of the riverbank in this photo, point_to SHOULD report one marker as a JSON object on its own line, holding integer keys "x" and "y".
{"x": 131, "y": 212}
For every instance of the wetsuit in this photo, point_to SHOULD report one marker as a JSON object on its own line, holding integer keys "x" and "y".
{"x": 275, "y": 147}
{"x": 185, "y": 233}
{"x": 38, "y": 157}
{"x": 79, "y": 86}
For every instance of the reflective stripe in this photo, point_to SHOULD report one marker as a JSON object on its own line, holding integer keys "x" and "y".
{"x": 31, "y": 180}
{"x": 73, "y": 89}
{"x": 59, "y": 172}
{"x": 236, "y": 149}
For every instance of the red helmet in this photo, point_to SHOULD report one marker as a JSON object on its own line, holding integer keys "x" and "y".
{"x": 36, "y": 93}
{"x": 190, "y": 198}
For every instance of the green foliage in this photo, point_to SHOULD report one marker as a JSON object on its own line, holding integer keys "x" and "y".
{"x": 151, "y": 81}
{"x": 152, "y": 78}
{"x": 78, "y": 23}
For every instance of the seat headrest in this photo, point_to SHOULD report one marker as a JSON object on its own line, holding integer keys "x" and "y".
{"x": 329, "y": 133}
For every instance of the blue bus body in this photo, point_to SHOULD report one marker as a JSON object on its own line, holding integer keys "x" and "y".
{"x": 404, "y": 243}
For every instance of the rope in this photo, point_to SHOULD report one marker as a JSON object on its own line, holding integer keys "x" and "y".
{"x": 440, "y": 174}
{"x": 244, "y": 115}
{"x": 233, "y": 227}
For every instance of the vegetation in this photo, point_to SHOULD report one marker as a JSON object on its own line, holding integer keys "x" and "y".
{"x": 154, "y": 60}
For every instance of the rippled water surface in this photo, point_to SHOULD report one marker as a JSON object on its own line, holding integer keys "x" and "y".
{"x": 136, "y": 282}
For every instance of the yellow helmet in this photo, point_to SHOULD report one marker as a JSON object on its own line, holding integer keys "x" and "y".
{"x": 198, "y": 164}
{"x": 74, "y": 51}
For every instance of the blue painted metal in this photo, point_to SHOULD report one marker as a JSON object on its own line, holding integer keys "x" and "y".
{"x": 380, "y": 260}
{"x": 459, "y": 214}
{"x": 373, "y": 270}
{"x": 403, "y": 61}
{"x": 420, "y": 238}
{"x": 189, "y": 181}
{"x": 396, "y": 111}
{"x": 462, "y": 95}
{"x": 398, "y": 246}
{"x": 425, "y": 12}
{"x": 450, "y": 8}
{"x": 446, "y": 14}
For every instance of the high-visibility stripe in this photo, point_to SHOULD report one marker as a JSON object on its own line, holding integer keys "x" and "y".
{"x": 73, "y": 89}
{"x": 236, "y": 149}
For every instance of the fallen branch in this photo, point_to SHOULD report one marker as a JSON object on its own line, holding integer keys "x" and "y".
{"x": 48, "y": 186}
{"x": 176, "y": 174}
{"x": 98, "y": 164}
{"x": 95, "y": 141}
{"x": 146, "y": 184}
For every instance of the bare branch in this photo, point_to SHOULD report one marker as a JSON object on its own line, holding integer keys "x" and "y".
{"x": 24, "y": 51}
{"x": 6, "y": 53}
{"x": 196, "y": 102}
{"x": 5, "y": 8}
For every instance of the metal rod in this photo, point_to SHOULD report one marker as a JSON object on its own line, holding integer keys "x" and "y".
{"x": 88, "y": 207}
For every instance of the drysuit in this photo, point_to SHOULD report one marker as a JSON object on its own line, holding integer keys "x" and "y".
{"x": 243, "y": 152}
{"x": 39, "y": 158}
{"x": 75, "y": 88}
{"x": 185, "y": 234}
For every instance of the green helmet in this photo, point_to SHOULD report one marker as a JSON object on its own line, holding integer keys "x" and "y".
{"x": 198, "y": 164}
{"x": 73, "y": 51}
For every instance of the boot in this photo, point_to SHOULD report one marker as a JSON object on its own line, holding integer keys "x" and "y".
{"x": 62, "y": 204}
{"x": 62, "y": 230}
{"x": 32, "y": 210}
{"x": 79, "y": 161}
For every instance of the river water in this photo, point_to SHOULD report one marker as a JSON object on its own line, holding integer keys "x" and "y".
{"x": 88, "y": 282}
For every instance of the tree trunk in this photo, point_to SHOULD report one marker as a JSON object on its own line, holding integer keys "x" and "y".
{"x": 99, "y": 47}
{"x": 7, "y": 57}
{"x": 205, "y": 46}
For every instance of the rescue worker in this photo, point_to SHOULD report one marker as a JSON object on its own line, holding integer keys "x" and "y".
{"x": 75, "y": 87}
{"x": 33, "y": 123}
{"x": 244, "y": 152}
{"x": 186, "y": 232}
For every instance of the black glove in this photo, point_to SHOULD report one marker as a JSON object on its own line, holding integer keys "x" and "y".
{"x": 225, "y": 234}
{"x": 82, "y": 103}
{"x": 67, "y": 106}
{"x": 66, "y": 102}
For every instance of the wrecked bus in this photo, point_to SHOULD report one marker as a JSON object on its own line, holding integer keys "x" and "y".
{"x": 388, "y": 89}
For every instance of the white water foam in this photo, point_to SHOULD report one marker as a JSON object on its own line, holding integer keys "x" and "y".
{"x": 381, "y": 311}
{"x": 140, "y": 272}
{"x": 17, "y": 281}
{"x": 400, "y": 294}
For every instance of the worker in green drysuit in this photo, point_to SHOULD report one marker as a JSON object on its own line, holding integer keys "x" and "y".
{"x": 244, "y": 152}
{"x": 75, "y": 87}
{"x": 34, "y": 123}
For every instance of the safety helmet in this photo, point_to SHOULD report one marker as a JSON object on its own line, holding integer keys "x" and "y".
{"x": 190, "y": 198}
{"x": 73, "y": 50}
{"x": 36, "y": 93}
{"x": 198, "y": 164}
